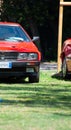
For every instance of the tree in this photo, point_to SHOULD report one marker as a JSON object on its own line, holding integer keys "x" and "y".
{"x": 38, "y": 17}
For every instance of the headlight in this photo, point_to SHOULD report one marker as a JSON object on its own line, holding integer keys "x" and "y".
{"x": 27, "y": 56}
{"x": 22, "y": 56}
{"x": 68, "y": 56}
{"x": 32, "y": 56}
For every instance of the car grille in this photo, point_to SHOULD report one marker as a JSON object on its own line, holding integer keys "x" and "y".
{"x": 8, "y": 56}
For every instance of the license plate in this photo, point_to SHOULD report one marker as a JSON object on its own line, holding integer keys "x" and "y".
{"x": 29, "y": 70}
{"x": 5, "y": 65}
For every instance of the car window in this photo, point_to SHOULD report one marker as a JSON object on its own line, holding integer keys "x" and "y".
{"x": 12, "y": 33}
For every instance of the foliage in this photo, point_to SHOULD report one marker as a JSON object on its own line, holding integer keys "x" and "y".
{"x": 67, "y": 23}
{"x": 22, "y": 9}
{"x": 38, "y": 18}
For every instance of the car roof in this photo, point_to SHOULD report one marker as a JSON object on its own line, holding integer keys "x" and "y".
{"x": 9, "y": 23}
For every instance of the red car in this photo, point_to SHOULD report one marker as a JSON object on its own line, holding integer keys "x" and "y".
{"x": 19, "y": 57}
{"x": 66, "y": 58}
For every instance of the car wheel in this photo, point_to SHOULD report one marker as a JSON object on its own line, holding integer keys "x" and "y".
{"x": 34, "y": 79}
{"x": 64, "y": 69}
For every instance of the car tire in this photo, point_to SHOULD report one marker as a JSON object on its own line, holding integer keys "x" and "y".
{"x": 64, "y": 69}
{"x": 34, "y": 79}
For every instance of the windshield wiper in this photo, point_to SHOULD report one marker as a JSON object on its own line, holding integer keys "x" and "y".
{"x": 14, "y": 39}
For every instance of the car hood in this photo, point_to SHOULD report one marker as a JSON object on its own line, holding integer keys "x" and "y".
{"x": 18, "y": 46}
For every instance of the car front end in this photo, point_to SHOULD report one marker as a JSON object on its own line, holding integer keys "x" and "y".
{"x": 18, "y": 64}
{"x": 19, "y": 57}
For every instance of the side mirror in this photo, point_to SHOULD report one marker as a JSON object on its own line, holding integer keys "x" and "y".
{"x": 35, "y": 38}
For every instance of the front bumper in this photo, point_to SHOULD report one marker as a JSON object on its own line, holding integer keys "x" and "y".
{"x": 20, "y": 69}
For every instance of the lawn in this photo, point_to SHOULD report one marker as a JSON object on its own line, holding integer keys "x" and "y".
{"x": 36, "y": 106}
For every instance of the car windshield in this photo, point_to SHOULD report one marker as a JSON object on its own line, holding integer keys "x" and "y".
{"x": 13, "y": 33}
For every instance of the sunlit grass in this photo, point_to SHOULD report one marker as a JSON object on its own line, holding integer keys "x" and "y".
{"x": 38, "y": 106}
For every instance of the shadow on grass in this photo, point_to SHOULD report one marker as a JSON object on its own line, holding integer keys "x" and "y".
{"x": 37, "y": 102}
{"x": 62, "y": 114}
{"x": 38, "y": 96}
{"x": 12, "y": 80}
{"x": 59, "y": 76}
{"x": 50, "y": 94}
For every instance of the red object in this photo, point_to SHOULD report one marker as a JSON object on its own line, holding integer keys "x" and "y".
{"x": 66, "y": 50}
{"x": 18, "y": 50}
{"x": 66, "y": 58}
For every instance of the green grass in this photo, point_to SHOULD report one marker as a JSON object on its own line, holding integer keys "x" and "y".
{"x": 38, "y": 106}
